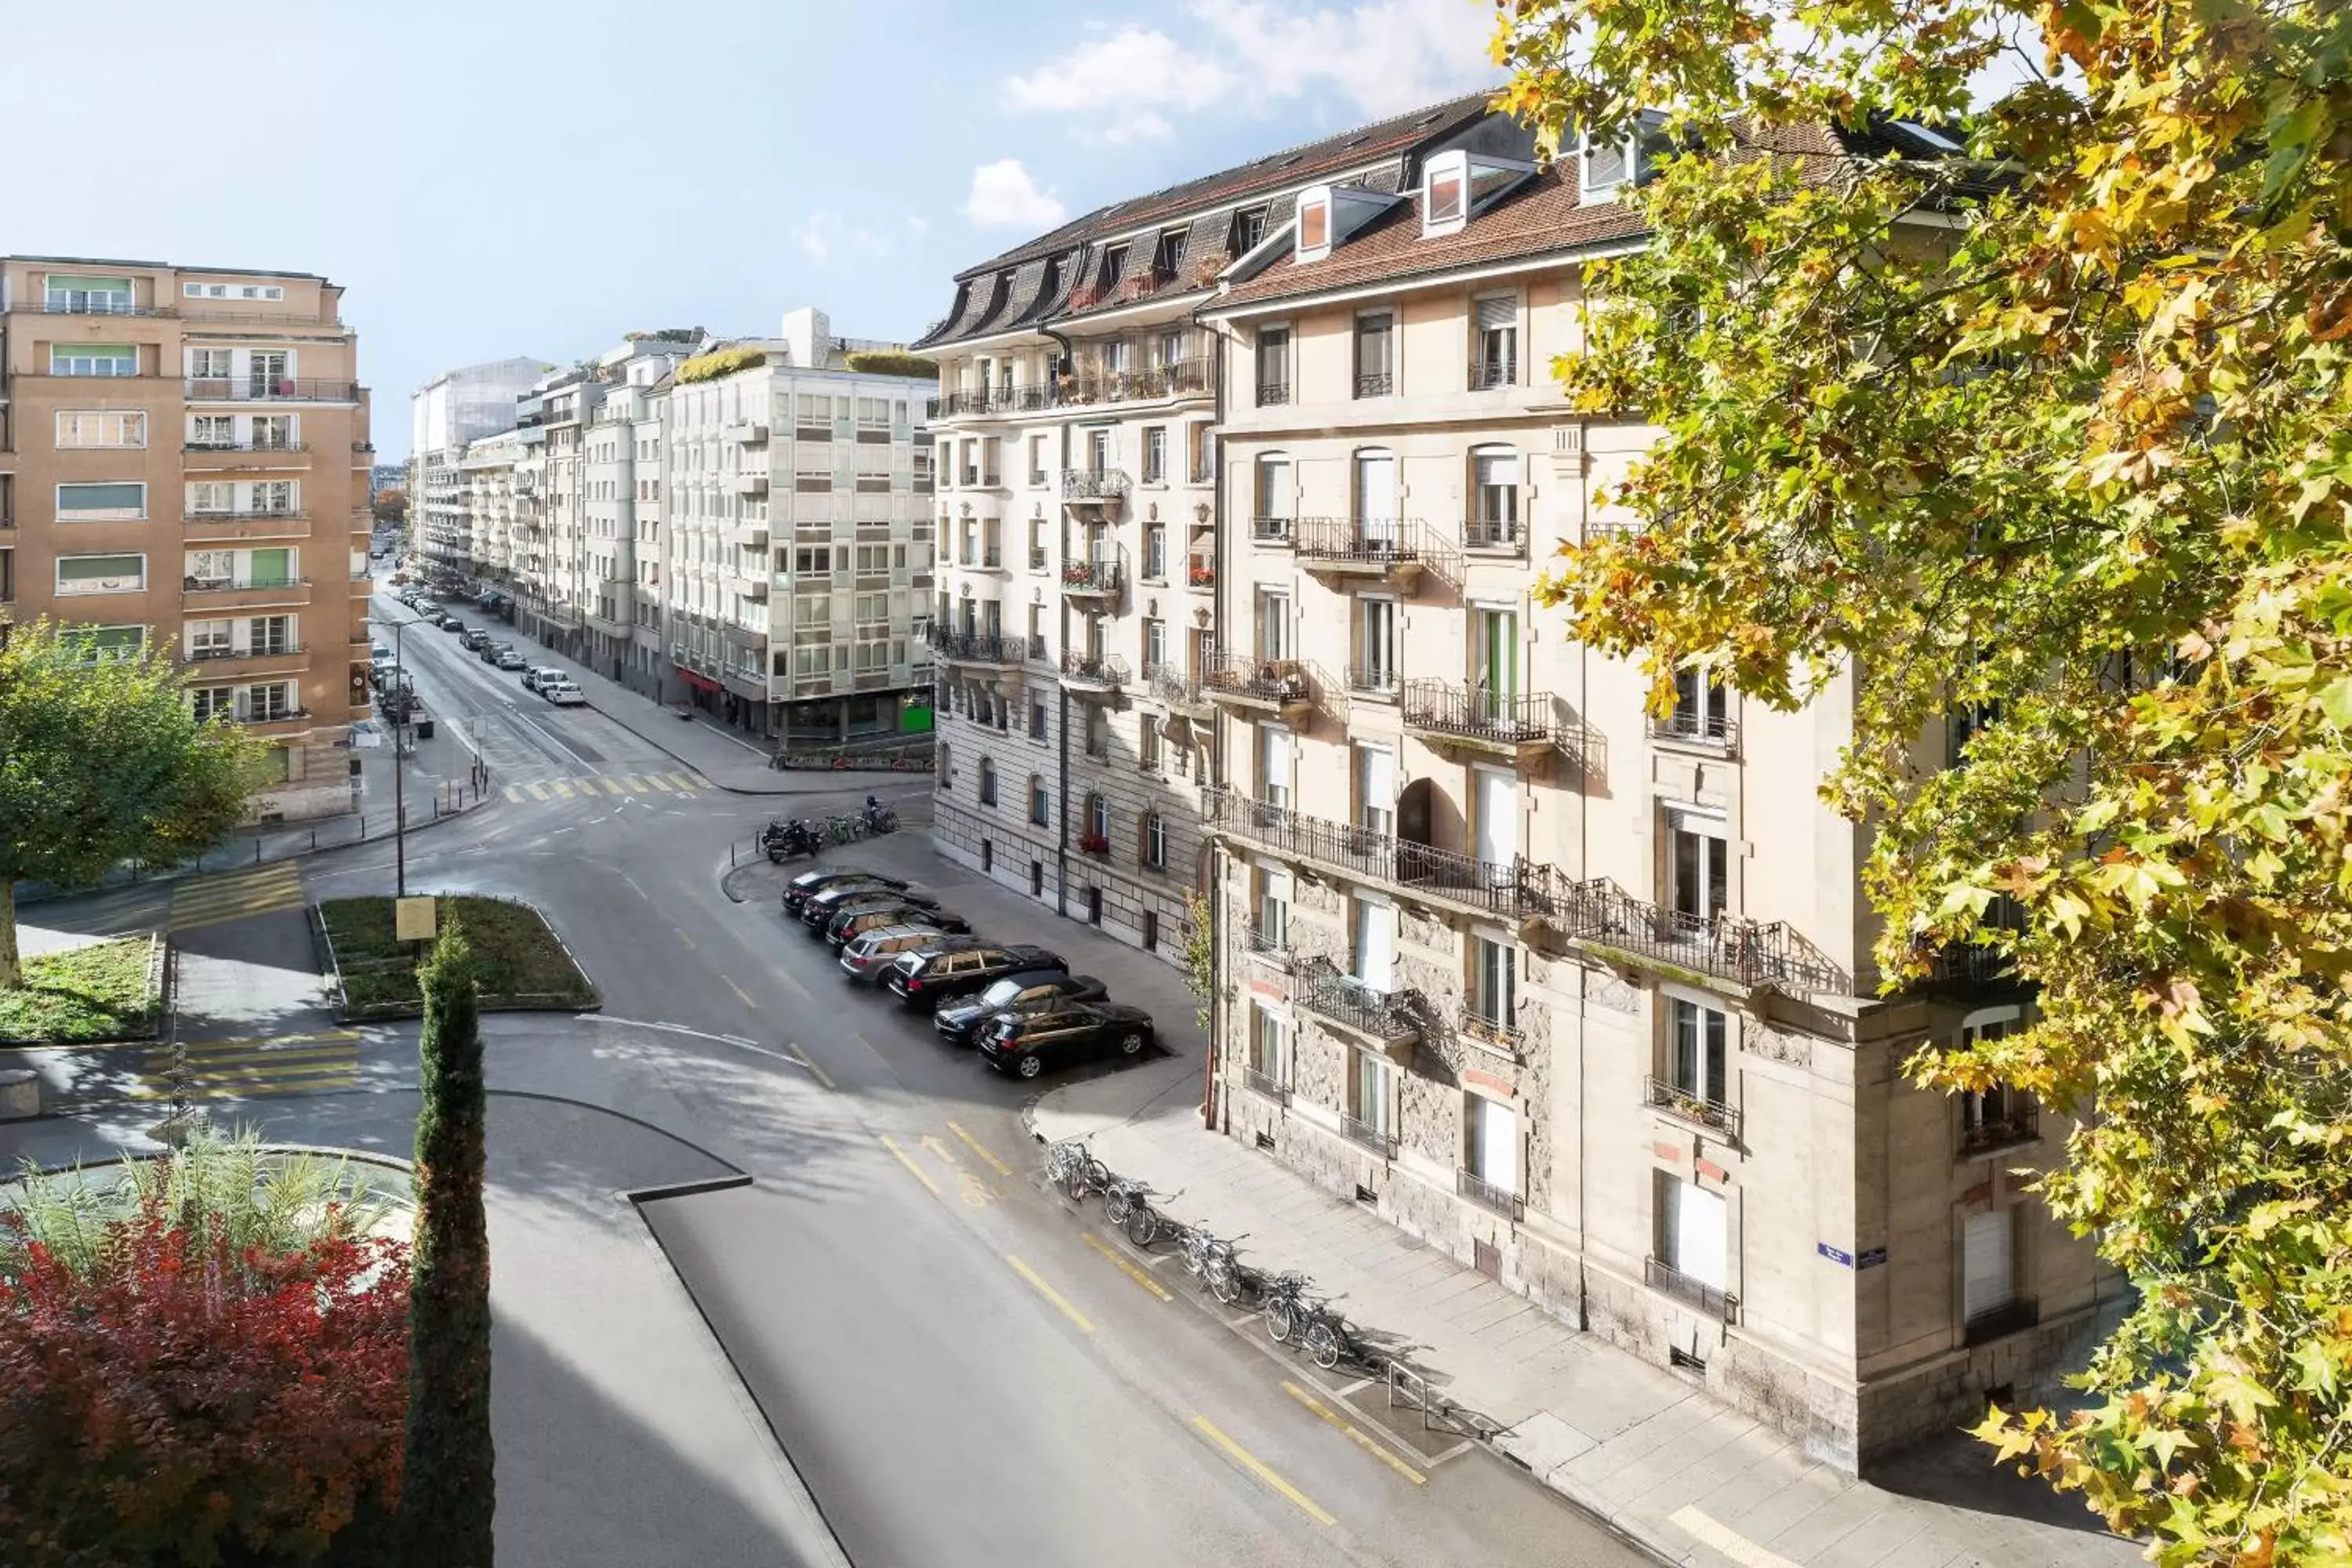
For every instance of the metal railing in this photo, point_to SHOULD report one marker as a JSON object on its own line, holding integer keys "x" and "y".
{"x": 1486, "y": 1195}
{"x": 1092, "y": 670}
{"x": 1200, "y": 571}
{"x": 1273, "y": 530}
{"x": 246, "y": 447}
{"x": 1091, "y": 577}
{"x": 1256, "y": 938}
{"x": 2010, "y": 1318}
{"x": 2019, "y": 1125}
{"x": 269, "y": 389}
{"x": 1485, "y": 374}
{"x": 1037, "y": 554}
{"x": 1707, "y": 727}
{"x": 1665, "y": 1278}
{"x": 1336, "y": 994}
{"x": 1093, "y": 484}
{"x": 1273, "y": 394}
{"x": 1379, "y": 384}
{"x": 1260, "y": 1083}
{"x": 1749, "y": 952}
{"x": 1380, "y": 1142}
{"x": 1278, "y": 681}
{"x": 246, "y": 514}
{"x": 1177, "y": 379}
{"x": 977, "y": 647}
{"x": 238, "y": 585}
{"x": 1523, "y": 890}
{"x": 1497, "y": 1034}
{"x": 1457, "y": 708}
{"x": 1698, "y": 1109}
{"x": 1378, "y": 542}
{"x": 1379, "y": 680}
{"x": 47, "y": 307}
{"x": 1172, "y": 683}
{"x": 203, "y": 655}
{"x": 1493, "y": 534}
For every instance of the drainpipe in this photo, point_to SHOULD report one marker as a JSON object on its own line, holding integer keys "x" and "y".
{"x": 1213, "y": 1104}
{"x": 1062, "y": 711}
{"x": 1583, "y": 839}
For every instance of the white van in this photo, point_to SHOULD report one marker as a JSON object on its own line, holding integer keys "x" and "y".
{"x": 539, "y": 675}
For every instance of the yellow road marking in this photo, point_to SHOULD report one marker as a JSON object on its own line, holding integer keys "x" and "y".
{"x": 683, "y": 781}
{"x": 636, "y": 786}
{"x": 809, "y": 1062}
{"x": 1728, "y": 1541}
{"x": 1125, "y": 1266}
{"x": 1258, "y": 1468}
{"x": 661, "y": 784}
{"x": 559, "y": 787}
{"x": 702, "y": 783}
{"x": 585, "y": 786}
{"x": 612, "y": 788}
{"x": 244, "y": 1040}
{"x": 160, "y": 1061}
{"x": 683, "y": 937}
{"x": 536, "y": 793}
{"x": 249, "y": 1090}
{"x": 912, "y": 1169}
{"x": 739, "y": 991}
{"x": 931, "y": 1141}
{"x": 975, "y": 1146}
{"x": 1050, "y": 1294}
{"x": 1359, "y": 1437}
{"x": 514, "y": 794}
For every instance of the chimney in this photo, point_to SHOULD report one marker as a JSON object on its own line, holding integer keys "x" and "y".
{"x": 808, "y": 337}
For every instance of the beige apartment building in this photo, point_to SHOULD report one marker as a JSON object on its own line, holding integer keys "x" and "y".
{"x": 1582, "y": 996}
{"x": 1077, "y": 507}
{"x": 184, "y": 463}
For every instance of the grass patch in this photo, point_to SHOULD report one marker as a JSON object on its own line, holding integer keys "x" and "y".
{"x": 94, "y": 992}
{"x": 516, "y": 956}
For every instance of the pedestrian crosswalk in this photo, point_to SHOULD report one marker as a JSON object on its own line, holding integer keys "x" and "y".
{"x": 234, "y": 895}
{"x": 604, "y": 786}
{"x": 240, "y": 1069}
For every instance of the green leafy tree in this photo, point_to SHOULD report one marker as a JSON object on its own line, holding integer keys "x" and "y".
{"x": 102, "y": 761}
{"x": 448, "y": 1488}
{"x": 2051, "y": 430}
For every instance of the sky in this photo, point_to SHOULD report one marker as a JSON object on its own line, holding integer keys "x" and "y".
{"x": 492, "y": 178}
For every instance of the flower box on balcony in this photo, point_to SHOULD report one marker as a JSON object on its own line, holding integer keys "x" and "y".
{"x": 1202, "y": 577}
{"x": 1094, "y": 843}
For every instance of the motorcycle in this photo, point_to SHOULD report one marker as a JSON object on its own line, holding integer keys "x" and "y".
{"x": 879, "y": 818}
{"x": 785, "y": 837}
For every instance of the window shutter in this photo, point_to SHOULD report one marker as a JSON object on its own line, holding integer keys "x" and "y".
{"x": 1499, "y": 312}
{"x": 1987, "y": 1264}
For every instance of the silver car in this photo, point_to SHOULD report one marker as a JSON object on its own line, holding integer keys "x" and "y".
{"x": 869, "y": 955}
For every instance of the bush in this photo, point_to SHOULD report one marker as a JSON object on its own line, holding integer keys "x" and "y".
{"x": 719, "y": 362}
{"x": 890, "y": 362}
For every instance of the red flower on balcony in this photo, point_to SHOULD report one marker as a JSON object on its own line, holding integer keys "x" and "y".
{"x": 1203, "y": 577}
{"x": 1093, "y": 844}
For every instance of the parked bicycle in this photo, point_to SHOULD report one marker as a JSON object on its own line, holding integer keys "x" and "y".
{"x": 1291, "y": 1312}
{"x": 1071, "y": 1167}
{"x": 1143, "y": 1222}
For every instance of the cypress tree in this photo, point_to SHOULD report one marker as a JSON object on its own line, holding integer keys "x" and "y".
{"x": 447, "y": 1494}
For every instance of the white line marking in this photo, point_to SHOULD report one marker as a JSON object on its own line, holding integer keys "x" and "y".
{"x": 1728, "y": 1541}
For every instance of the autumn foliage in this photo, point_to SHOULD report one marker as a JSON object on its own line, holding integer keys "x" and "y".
{"x": 184, "y": 1403}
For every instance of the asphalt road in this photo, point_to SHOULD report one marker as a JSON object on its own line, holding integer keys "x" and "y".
{"x": 965, "y": 1368}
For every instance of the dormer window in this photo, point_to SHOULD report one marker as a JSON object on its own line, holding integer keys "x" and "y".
{"x": 1445, "y": 193}
{"x": 1315, "y": 226}
{"x": 1607, "y": 165}
{"x": 1249, "y": 228}
{"x": 1169, "y": 254}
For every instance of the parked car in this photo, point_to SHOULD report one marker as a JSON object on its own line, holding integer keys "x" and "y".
{"x": 819, "y": 912}
{"x": 868, "y": 956}
{"x": 539, "y": 675}
{"x": 857, "y": 922}
{"x": 563, "y": 693}
{"x": 510, "y": 658}
{"x": 808, "y": 884}
{"x": 1027, "y": 992}
{"x": 474, "y": 641}
{"x": 1026, "y": 1043}
{"x": 820, "y": 905}
{"x": 927, "y": 979}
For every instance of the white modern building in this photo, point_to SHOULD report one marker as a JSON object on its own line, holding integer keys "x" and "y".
{"x": 446, "y": 413}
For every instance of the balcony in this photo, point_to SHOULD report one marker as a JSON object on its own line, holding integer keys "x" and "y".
{"x": 1707, "y": 950}
{"x": 1271, "y": 1089}
{"x": 1089, "y": 675}
{"x": 1520, "y": 892}
{"x": 1711, "y": 1299}
{"x": 1093, "y": 582}
{"x": 1692, "y": 1110}
{"x": 1276, "y": 685}
{"x": 269, "y": 389}
{"x": 1389, "y": 1019}
{"x": 746, "y": 433}
{"x": 287, "y": 658}
{"x": 752, "y": 482}
{"x": 1692, "y": 726}
{"x": 89, "y": 305}
{"x": 1373, "y": 683}
{"x": 215, "y": 457}
{"x": 1269, "y": 948}
{"x": 1500, "y": 1036}
{"x": 1171, "y": 684}
{"x": 1201, "y": 573}
{"x": 1378, "y": 1141}
{"x": 282, "y": 721}
{"x": 974, "y": 400}
{"x": 1179, "y": 378}
{"x": 978, "y": 649}
{"x": 1488, "y": 1195}
{"x": 1455, "y": 713}
{"x": 198, "y": 526}
{"x": 2014, "y": 1127}
{"x": 1273, "y": 394}
{"x": 1094, "y": 487}
{"x": 1386, "y": 549}
{"x": 1494, "y": 536}
{"x": 2012, "y": 1316}
{"x": 1273, "y": 532}
{"x": 231, "y": 593}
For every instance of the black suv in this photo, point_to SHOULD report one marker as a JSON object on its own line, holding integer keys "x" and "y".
{"x": 961, "y": 1022}
{"x": 928, "y": 979}
{"x": 818, "y": 912}
{"x": 856, "y": 922}
{"x": 809, "y": 884}
{"x": 1026, "y": 1043}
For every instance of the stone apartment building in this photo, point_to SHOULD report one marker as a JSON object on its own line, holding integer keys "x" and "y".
{"x": 1581, "y": 995}
{"x": 1076, "y": 505}
{"x": 796, "y": 569}
{"x": 183, "y": 464}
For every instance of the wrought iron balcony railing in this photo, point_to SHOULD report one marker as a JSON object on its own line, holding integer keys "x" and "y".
{"x": 1378, "y": 680}
{"x": 1603, "y": 915}
{"x": 1376, "y": 383}
{"x": 269, "y": 389}
{"x": 1083, "y": 668}
{"x": 1486, "y": 374}
{"x": 1091, "y": 577}
{"x": 1519, "y": 891}
{"x": 1494, "y": 533}
{"x": 1378, "y": 1139}
{"x": 1370, "y": 540}
{"x": 1333, "y": 994}
{"x": 1172, "y": 684}
{"x": 1502, "y": 1035}
{"x": 1272, "y": 946}
{"x": 1273, "y": 530}
{"x": 1715, "y": 1302}
{"x": 1178, "y": 378}
{"x": 977, "y": 647}
{"x": 2018, "y": 1124}
{"x": 1488, "y": 1195}
{"x": 265, "y": 446}
{"x": 1273, "y": 394}
{"x": 1696, "y": 1110}
{"x": 1702, "y": 727}
{"x": 1262, "y": 1083}
{"x": 1093, "y": 484}
{"x": 1279, "y": 682}
{"x": 1470, "y": 712}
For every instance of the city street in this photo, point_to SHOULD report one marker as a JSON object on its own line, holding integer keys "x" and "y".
{"x": 960, "y": 1366}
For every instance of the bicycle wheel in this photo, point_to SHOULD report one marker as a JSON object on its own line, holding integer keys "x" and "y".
{"x": 1322, "y": 1343}
{"x": 1281, "y": 1319}
{"x": 1142, "y": 1225}
{"x": 1224, "y": 1280}
{"x": 1117, "y": 1201}
{"x": 1196, "y": 1256}
{"x": 1075, "y": 1184}
{"x": 1098, "y": 1173}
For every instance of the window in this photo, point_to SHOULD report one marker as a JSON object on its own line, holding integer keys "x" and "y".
{"x": 209, "y": 639}
{"x": 987, "y": 782}
{"x": 267, "y": 704}
{"x": 101, "y": 429}
{"x": 91, "y": 360}
{"x": 1155, "y": 643}
{"x": 1699, "y": 867}
{"x": 1606, "y": 166}
{"x": 1375, "y": 368}
{"x": 270, "y": 634}
{"x": 1273, "y": 624}
{"x": 1692, "y": 1238}
{"x": 101, "y": 503}
{"x": 1037, "y": 460}
{"x": 1249, "y": 229}
{"x": 1036, "y": 718}
{"x": 2002, "y": 1115}
{"x": 873, "y": 609}
{"x": 1441, "y": 196}
{"x": 1371, "y": 1096}
{"x": 1988, "y": 1263}
{"x": 1097, "y": 733}
{"x": 1495, "y": 982}
{"x": 209, "y": 364}
{"x": 1376, "y": 789}
{"x": 99, "y": 642}
{"x": 214, "y": 432}
{"x": 1374, "y": 943}
{"x": 812, "y": 612}
{"x": 1274, "y": 760}
{"x": 1040, "y": 810}
{"x": 1201, "y": 454}
{"x": 1155, "y": 841}
{"x": 1155, "y": 549}
{"x": 1491, "y": 1145}
{"x": 233, "y": 290}
{"x": 1494, "y": 479}
{"x": 1149, "y": 754}
{"x": 1098, "y": 818}
{"x": 1273, "y": 367}
{"x": 1269, "y": 1047}
{"x": 817, "y": 561}
{"x": 1702, "y": 706}
{"x": 1277, "y": 501}
{"x": 1495, "y": 342}
{"x": 210, "y": 498}
{"x": 209, "y": 702}
{"x": 100, "y": 573}
{"x": 1376, "y": 646}
{"x": 88, "y": 296}
{"x": 1700, "y": 1063}
{"x": 1314, "y": 227}
{"x": 1155, "y": 454}
{"x": 273, "y": 433}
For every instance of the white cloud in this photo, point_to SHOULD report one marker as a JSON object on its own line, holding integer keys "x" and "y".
{"x": 1004, "y": 195}
{"x": 920, "y": 225}
{"x": 1381, "y": 56}
{"x": 815, "y": 237}
{"x": 1135, "y": 67}
{"x": 1143, "y": 126}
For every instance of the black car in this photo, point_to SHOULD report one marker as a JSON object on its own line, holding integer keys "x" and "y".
{"x": 809, "y": 884}
{"x": 928, "y": 979}
{"x": 452, "y": 624}
{"x": 474, "y": 641}
{"x": 1027, "y": 992}
{"x": 865, "y": 917}
{"x": 1026, "y": 1043}
{"x": 819, "y": 910}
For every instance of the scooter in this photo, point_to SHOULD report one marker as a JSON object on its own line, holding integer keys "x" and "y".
{"x": 785, "y": 837}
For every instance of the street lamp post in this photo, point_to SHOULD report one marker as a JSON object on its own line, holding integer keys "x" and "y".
{"x": 401, "y": 704}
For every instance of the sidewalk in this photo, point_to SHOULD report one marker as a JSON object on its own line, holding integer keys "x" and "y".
{"x": 1693, "y": 1480}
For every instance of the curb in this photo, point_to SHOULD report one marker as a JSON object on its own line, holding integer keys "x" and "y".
{"x": 739, "y": 789}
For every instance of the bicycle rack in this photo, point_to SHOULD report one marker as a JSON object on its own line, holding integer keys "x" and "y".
{"x": 1409, "y": 1390}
